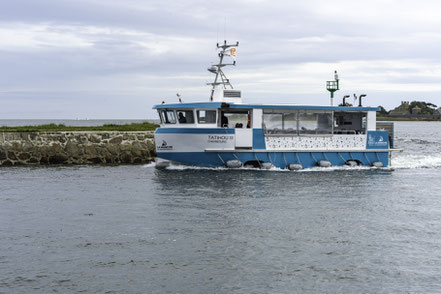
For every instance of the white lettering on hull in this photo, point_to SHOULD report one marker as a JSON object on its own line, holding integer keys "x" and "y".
{"x": 193, "y": 142}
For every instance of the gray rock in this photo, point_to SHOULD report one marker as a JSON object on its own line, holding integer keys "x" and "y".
{"x": 116, "y": 140}
{"x": 126, "y": 158}
{"x": 28, "y": 146}
{"x": 11, "y": 155}
{"x": 56, "y": 148}
{"x": 138, "y": 160}
{"x": 113, "y": 149}
{"x": 82, "y": 139}
{"x": 90, "y": 151}
{"x": 72, "y": 148}
{"x": 24, "y": 156}
{"x": 94, "y": 139}
{"x": 16, "y": 146}
{"x": 96, "y": 160}
{"x": 33, "y": 160}
{"x": 7, "y": 163}
{"x": 58, "y": 159}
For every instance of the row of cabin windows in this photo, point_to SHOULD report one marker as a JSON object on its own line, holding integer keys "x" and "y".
{"x": 276, "y": 121}
{"x": 227, "y": 119}
{"x": 187, "y": 116}
{"x": 313, "y": 122}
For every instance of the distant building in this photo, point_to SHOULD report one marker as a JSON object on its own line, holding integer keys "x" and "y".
{"x": 402, "y": 110}
{"x": 416, "y": 110}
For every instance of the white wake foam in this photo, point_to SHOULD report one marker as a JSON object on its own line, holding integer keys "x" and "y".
{"x": 416, "y": 161}
{"x": 174, "y": 166}
{"x": 151, "y": 164}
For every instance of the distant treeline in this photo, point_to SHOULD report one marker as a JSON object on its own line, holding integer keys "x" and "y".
{"x": 412, "y": 109}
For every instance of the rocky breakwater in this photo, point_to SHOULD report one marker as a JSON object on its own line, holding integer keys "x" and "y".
{"x": 34, "y": 148}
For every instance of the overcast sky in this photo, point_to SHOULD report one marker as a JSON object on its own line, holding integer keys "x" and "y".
{"x": 116, "y": 59}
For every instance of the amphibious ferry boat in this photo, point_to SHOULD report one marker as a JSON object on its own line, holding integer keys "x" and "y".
{"x": 226, "y": 132}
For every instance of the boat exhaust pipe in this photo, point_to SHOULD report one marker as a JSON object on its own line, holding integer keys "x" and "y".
{"x": 359, "y": 99}
{"x": 344, "y": 100}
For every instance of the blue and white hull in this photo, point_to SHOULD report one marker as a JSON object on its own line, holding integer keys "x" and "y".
{"x": 216, "y": 147}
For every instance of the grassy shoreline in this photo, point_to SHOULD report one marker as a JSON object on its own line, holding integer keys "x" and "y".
{"x": 132, "y": 127}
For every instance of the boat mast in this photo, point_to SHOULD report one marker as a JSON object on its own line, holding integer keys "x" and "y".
{"x": 217, "y": 68}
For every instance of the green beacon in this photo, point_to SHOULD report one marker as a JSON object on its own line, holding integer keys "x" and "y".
{"x": 333, "y": 86}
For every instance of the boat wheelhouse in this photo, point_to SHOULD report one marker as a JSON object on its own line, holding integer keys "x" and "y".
{"x": 226, "y": 132}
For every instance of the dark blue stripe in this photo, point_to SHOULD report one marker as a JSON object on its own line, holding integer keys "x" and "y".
{"x": 193, "y": 131}
{"x": 189, "y": 105}
{"x": 258, "y": 139}
{"x": 262, "y": 106}
{"x": 304, "y": 107}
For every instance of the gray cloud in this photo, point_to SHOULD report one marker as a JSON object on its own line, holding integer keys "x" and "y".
{"x": 120, "y": 58}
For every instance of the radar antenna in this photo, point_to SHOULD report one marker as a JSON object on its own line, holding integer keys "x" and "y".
{"x": 217, "y": 68}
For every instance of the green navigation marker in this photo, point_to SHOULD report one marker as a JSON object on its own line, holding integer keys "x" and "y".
{"x": 333, "y": 86}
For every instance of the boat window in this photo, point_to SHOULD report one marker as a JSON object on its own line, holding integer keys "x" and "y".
{"x": 206, "y": 116}
{"x": 349, "y": 123}
{"x": 290, "y": 123}
{"x": 235, "y": 119}
{"x": 160, "y": 116}
{"x": 168, "y": 117}
{"x": 315, "y": 122}
{"x": 273, "y": 123}
{"x": 185, "y": 116}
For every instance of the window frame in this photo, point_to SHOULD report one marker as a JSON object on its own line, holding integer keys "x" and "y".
{"x": 206, "y": 110}
{"x": 297, "y": 113}
{"x": 164, "y": 117}
{"x": 185, "y": 111}
{"x": 245, "y": 111}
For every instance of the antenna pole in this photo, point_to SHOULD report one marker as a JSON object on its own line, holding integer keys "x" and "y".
{"x": 218, "y": 68}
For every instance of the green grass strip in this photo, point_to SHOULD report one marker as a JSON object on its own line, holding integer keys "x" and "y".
{"x": 144, "y": 126}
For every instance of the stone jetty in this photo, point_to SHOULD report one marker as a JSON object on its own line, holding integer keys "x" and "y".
{"x": 95, "y": 147}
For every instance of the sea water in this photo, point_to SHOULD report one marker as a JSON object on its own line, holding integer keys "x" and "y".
{"x": 141, "y": 229}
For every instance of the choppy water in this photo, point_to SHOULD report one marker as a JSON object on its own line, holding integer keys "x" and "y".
{"x": 139, "y": 229}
